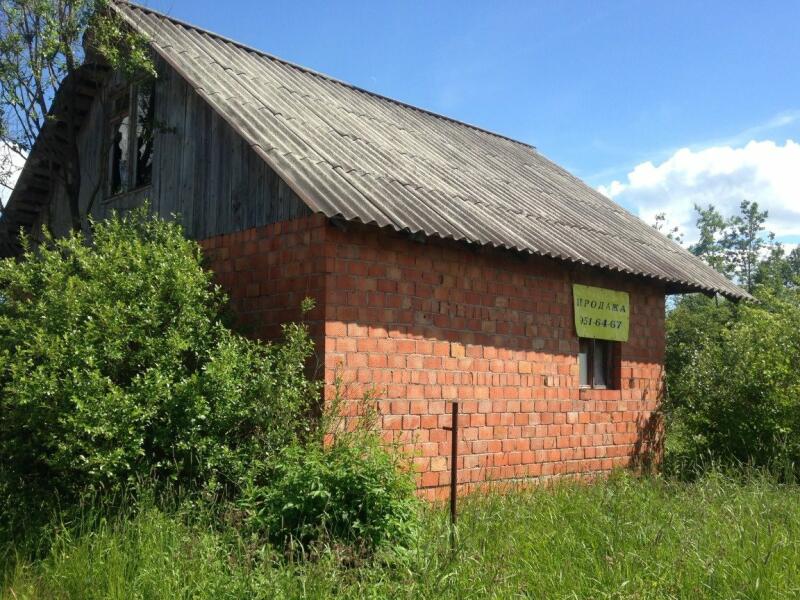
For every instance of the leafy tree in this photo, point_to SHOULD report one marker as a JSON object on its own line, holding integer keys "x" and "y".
{"x": 737, "y": 246}
{"x": 710, "y": 246}
{"x": 744, "y": 243}
{"x": 779, "y": 269}
{"x": 43, "y": 47}
{"x": 737, "y": 397}
{"x": 792, "y": 277}
{"x": 673, "y": 234}
{"x": 116, "y": 365}
{"x": 732, "y": 370}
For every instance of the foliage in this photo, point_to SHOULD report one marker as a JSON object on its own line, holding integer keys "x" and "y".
{"x": 125, "y": 50}
{"x": 116, "y": 365}
{"x": 43, "y": 44}
{"x": 745, "y": 242}
{"x": 779, "y": 269}
{"x": 733, "y": 371}
{"x": 711, "y": 226}
{"x": 733, "y": 246}
{"x": 734, "y": 383}
{"x": 673, "y": 233}
{"x": 719, "y": 537}
{"x": 690, "y": 321}
{"x": 341, "y": 487}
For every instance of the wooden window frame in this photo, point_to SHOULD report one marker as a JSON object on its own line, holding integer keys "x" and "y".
{"x": 134, "y": 103}
{"x": 119, "y": 112}
{"x": 130, "y": 110}
{"x": 611, "y": 366}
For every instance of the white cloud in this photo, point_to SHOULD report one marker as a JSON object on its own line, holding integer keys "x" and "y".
{"x": 11, "y": 163}
{"x": 763, "y": 172}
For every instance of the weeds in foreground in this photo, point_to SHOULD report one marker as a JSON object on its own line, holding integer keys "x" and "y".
{"x": 719, "y": 536}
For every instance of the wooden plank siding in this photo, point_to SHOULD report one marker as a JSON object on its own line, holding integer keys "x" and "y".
{"x": 204, "y": 172}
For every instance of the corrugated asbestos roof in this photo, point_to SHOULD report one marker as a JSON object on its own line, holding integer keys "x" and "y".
{"x": 359, "y": 156}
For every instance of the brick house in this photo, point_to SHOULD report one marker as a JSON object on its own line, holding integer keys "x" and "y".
{"x": 447, "y": 262}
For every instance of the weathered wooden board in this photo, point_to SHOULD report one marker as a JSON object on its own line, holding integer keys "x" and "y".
{"x": 204, "y": 173}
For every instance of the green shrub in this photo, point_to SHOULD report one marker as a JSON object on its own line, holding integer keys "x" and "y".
{"x": 734, "y": 391}
{"x": 345, "y": 488}
{"x": 115, "y": 365}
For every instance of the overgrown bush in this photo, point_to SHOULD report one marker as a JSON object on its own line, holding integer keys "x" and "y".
{"x": 734, "y": 383}
{"x": 116, "y": 365}
{"x": 345, "y": 487}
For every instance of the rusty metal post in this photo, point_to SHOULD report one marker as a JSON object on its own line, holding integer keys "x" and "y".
{"x": 453, "y": 474}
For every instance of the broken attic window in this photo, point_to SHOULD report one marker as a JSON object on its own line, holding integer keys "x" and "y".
{"x": 119, "y": 174}
{"x": 144, "y": 133}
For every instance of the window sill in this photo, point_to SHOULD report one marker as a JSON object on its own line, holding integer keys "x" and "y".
{"x": 123, "y": 196}
{"x": 599, "y": 394}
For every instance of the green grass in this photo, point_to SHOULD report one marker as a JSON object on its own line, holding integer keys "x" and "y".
{"x": 718, "y": 537}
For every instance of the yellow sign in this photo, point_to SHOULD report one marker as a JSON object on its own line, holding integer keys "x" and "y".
{"x": 600, "y": 313}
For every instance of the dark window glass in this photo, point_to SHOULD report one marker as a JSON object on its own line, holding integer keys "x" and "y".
{"x": 600, "y": 371}
{"x": 144, "y": 134}
{"x": 130, "y": 159}
{"x": 119, "y": 175}
{"x": 596, "y": 363}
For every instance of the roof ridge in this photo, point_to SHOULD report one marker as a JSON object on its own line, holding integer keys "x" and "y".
{"x": 311, "y": 71}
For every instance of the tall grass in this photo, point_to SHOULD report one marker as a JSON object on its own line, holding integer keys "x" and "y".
{"x": 717, "y": 537}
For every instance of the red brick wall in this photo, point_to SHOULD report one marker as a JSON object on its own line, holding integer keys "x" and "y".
{"x": 425, "y": 324}
{"x": 431, "y": 323}
{"x": 268, "y": 271}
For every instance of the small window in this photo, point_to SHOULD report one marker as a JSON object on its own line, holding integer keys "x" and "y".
{"x": 596, "y": 363}
{"x": 144, "y": 134}
{"x": 130, "y": 159}
{"x": 119, "y": 175}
